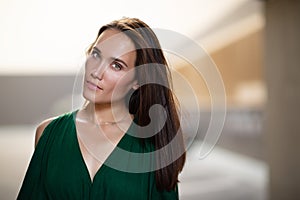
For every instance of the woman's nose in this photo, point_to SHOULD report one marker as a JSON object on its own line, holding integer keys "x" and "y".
{"x": 99, "y": 71}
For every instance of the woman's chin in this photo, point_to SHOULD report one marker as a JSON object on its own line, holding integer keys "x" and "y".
{"x": 89, "y": 96}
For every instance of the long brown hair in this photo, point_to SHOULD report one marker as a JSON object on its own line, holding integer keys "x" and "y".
{"x": 149, "y": 51}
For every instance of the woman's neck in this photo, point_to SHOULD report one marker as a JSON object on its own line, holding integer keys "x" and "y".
{"x": 105, "y": 113}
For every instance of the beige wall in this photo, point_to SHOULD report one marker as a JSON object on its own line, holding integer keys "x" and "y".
{"x": 241, "y": 68}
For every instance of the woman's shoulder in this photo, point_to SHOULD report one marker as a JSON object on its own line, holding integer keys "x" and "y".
{"x": 41, "y": 126}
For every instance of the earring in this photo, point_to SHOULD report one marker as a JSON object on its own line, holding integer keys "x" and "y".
{"x": 135, "y": 87}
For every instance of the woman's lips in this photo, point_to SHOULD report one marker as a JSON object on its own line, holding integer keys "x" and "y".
{"x": 93, "y": 86}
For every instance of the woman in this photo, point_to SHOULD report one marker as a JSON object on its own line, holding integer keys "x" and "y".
{"x": 77, "y": 155}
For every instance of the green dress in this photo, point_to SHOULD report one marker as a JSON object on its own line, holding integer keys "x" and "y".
{"x": 57, "y": 170}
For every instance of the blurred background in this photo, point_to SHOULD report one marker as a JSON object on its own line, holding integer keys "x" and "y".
{"x": 253, "y": 44}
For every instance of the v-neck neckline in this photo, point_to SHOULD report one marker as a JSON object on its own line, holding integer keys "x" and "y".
{"x": 103, "y": 165}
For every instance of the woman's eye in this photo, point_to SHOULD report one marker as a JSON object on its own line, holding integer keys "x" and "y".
{"x": 117, "y": 66}
{"x": 95, "y": 54}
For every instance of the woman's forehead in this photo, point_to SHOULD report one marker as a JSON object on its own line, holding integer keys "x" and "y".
{"x": 114, "y": 42}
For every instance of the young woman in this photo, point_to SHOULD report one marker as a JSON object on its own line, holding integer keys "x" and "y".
{"x": 117, "y": 146}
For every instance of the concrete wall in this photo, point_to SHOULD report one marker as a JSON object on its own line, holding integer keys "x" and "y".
{"x": 282, "y": 75}
{"x": 31, "y": 99}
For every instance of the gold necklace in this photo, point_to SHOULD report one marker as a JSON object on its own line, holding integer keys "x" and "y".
{"x": 110, "y": 122}
{"x": 103, "y": 122}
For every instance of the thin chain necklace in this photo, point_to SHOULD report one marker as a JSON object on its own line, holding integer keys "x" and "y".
{"x": 99, "y": 123}
{"x": 111, "y": 122}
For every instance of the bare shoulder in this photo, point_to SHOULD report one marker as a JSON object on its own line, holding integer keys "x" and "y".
{"x": 41, "y": 127}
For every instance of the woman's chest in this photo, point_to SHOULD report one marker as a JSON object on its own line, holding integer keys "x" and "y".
{"x": 67, "y": 176}
{"x": 74, "y": 183}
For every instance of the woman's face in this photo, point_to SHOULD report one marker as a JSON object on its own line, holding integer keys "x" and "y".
{"x": 109, "y": 73}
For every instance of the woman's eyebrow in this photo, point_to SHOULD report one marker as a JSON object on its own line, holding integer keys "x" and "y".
{"x": 96, "y": 49}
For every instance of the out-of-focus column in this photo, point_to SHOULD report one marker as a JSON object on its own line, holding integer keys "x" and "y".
{"x": 282, "y": 72}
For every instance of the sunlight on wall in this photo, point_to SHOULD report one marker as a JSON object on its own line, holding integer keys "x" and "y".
{"x": 51, "y": 36}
